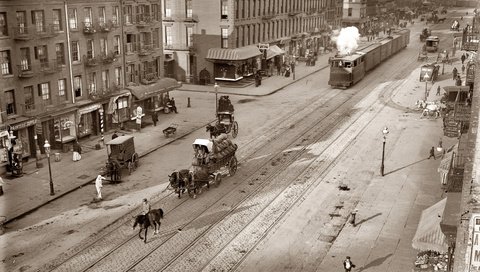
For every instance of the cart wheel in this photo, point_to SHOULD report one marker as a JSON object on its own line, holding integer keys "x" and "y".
{"x": 135, "y": 161}
{"x": 232, "y": 166}
{"x": 235, "y": 129}
{"x": 217, "y": 179}
{"x": 130, "y": 167}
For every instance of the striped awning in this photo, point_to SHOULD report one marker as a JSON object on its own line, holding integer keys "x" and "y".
{"x": 429, "y": 235}
{"x": 274, "y": 50}
{"x": 241, "y": 53}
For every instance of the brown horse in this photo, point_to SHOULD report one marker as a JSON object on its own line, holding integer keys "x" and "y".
{"x": 179, "y": 180}
{"x": 146, "y": 221}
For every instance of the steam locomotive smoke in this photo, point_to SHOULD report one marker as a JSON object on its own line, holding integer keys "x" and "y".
{"x": 347, "y": 40}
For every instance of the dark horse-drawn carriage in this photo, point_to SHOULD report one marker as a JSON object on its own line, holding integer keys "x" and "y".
{"x": 121, "y": 154}
{"x": 225, "y": 119}
{"x": 213, "y": 159}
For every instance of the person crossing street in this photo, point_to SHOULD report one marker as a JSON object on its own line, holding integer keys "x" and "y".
{"x": 99, "y": 185}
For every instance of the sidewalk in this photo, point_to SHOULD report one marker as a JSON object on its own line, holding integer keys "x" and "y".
{"x": 31, "y": 191}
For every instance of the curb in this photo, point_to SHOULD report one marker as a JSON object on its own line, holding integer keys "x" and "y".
{"x": 92, "y": 180}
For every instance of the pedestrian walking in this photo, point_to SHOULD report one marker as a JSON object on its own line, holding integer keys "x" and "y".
{"x": 353, "y": 216}
{"x": 348, "y": 264}
{"x": 454, "y": 73}
{"x": 432, "y": 153}
{"x": 459, "y": 81}
{"x": 99, "y": 185}
{"x": 463, "y": 58}
{"x": 172, "y": 102}
{"x": 154, "y": 118}
{"x": 114, "y": 135}
{"x": 438, "y": 90}
{"x": 77, "y": 150}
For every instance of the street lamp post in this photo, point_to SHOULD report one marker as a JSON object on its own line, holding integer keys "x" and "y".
{"x": 216, "y": 96}
{"x": 47, "y": 151}
{"x": 425, "y": 78}
{"x": 382, "y": 167}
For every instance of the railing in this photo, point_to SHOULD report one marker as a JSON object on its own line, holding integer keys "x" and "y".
{"x": 143, "y": 20}
{"x": 106, "y": 26}
{"x": 145, "y": 49}
{"x": 131, "y": 48}
{"x": 100, "y": 93}
{"x": 108, "y": 57}
{"x": 90, "y": 61}
{"x": 32, "y": 32}
{"x": 148, "y": 78}
{"x": 50, "y": 66}
{"x": 176, "y": 46}
{"x": 26, "y": 70}
{"x": 88, "y": 28}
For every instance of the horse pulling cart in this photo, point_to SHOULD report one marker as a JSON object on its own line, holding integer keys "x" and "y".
{"x": 213, "y": 160}
{"x": 121, "y": 154}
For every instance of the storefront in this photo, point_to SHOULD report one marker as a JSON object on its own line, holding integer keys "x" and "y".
{"x": 236, "y": 63}
{"x": 152, "y": 97}
{"x": 274, "y": 58}
{"x": 118, "y": 109}
{"x": 64, "y": 130}
{"x": 88, "y": 120}
{"x": 25, "y": 137}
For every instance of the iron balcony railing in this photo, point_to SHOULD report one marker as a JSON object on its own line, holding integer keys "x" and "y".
{"x": 37, "y": 31}
{"x": 26, "y": 69}
{"x": 89, "y": 28}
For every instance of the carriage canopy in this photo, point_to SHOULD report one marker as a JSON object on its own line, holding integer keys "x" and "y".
{"x": 203, "y": 142}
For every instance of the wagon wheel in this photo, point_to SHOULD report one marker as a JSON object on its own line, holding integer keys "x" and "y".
{"x": 217, "y": 179}
{"x": 232, "y": 166}
{"x": 235, "y": 129}
{"x": 135, "y": 160}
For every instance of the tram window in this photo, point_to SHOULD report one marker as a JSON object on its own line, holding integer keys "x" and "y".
{"x": 354, "y": 63}
{"x": 348, "y": 65}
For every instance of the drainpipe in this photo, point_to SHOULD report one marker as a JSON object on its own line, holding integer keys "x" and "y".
{"x": 124, "y": 65}
{"x": 69, "y": 52}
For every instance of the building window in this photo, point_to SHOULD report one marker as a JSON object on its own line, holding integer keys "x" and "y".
{"x": 57, "y": 20}
{"x": 75, "y": 51}
{"x": 156, "y": 37}
{"x": 118, "y": 76}
{"x": 224, "y": 9}
{"x": 44, "y": 91}
{"x": 72, "y": 18}
{"x": 102, "y": 18}
{"x": 168, "y": 36}
{"x": 38, "y": 20}
{"x": 105, "y": 80}
{"x": 25, "y": 62}
{"x": 155, "y": 15}
{"x": 62, "y": 83}
{"x": 189, "y": 36}
{"x": 188, "y": 9}
{"x": 130, "y": 43}
{"x": 60, "y": 53}
{"x": 224, "y": 37}
{"x": 122, "y": 103}
{"x": 77, "y": 85}
{"x": 350, "y": 12}
{"x": 116, "y": 45}
{"x": 21, "y": 22}
{"x": 5, "y": 64}
{"x": 29, "y": 99}
{"x": 103, "y": 47}
{"x": 3, "y": 24}
{"x": 10, "y": 101}
{"x": 87, "y": 21}
{"x": 167, "y": 9}
{"x": 115, "y": 15}
{"x": 128, "y": 14}
{"x": 130, "y": 73}
{"x": 92, "y": 83}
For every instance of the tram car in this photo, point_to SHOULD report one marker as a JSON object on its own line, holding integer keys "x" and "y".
{"x": 347, "y": 70}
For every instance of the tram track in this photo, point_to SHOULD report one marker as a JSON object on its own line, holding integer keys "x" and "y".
{"x": 253, "y": 146}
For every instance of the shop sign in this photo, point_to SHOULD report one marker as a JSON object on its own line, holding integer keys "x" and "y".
{"x": 23, "y": 124}
{"x": 90, "y": 108}
{"x": 475, "y": 241}
{"x": 3, "y": 133}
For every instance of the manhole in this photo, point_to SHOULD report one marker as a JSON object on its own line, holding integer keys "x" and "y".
{"x": 83, "y": 177}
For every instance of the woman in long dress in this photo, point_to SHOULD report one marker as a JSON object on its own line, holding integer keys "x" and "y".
{"x": 77, "y": 149}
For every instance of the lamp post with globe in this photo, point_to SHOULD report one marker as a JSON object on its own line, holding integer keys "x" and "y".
{"x": 47, "y": 151}
{"x": 382, "y": 167}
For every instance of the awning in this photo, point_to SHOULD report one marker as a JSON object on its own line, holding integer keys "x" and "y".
{"x": 274, "y": 50}
{"x": 241, "y": 53}
{"x": 163, "y": 85}
{"x": 445, "y": 164}
{"x": 451, "y": 216}
{"x": 111, "y": 104}
{"x": 429, "y": 235}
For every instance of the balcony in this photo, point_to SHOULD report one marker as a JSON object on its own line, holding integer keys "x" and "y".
{"x": 88, "y": 28}
{"x": 101, "y": 93}
{"x": 106, "y": 26}
{"x": 23, "y": 33}
{"x": 50, "y": 66}
{"x": 90, "y": 61}
{"x": 143, "y": 20}
{"x": 48, "y": 31}
{"x": 145, "y": 49}
{"x": 182, "y": 18}
{"x": 148, "y": 78}
{"x": 108, "y": 58}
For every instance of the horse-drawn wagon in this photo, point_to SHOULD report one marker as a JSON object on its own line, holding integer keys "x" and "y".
{"x": 121, "y": 154}
{"x": 225, "y": 119}
{"x": 213, "y": 159}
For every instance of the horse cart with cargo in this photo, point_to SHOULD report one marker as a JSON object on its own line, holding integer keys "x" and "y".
{"x": 121, "y": 155}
